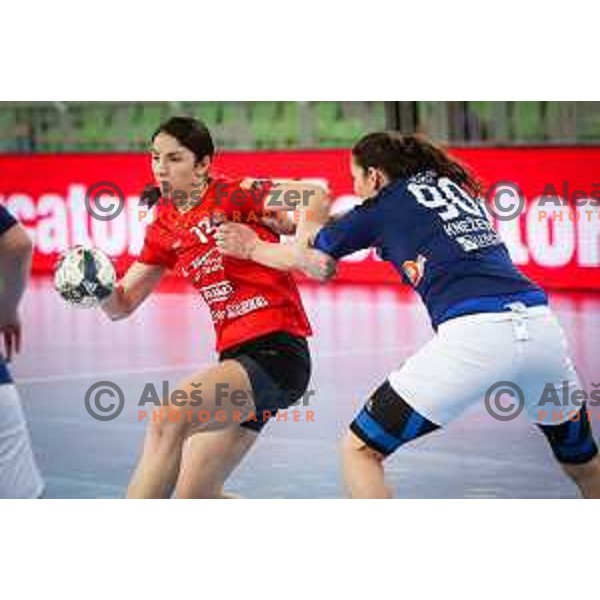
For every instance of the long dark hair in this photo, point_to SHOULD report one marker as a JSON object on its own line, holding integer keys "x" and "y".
{"x": 191, "y": 133}
{"x": 401, "y": 156}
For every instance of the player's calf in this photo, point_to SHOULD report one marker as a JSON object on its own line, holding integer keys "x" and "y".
{"x": 586, "y": 477}
{"x": 158, "y": 468}
{"x": 362, "y": 469}
{"x": 385, "y": 423}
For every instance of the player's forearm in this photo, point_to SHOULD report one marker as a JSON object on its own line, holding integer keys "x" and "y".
{"x": 117, "y": 306}
{"x": 295, "y": 257}
{"x": 15, "y": 265}
{"x": 313, "y": 209}
{"x": 283, "y": 257}
{"x": 137, "y": 284}
{"x": 313, "y": 216}
{"x": 291, "y": 192}
{"x": 310, "y": 200}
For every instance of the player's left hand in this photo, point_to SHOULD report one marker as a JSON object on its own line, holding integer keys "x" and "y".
{"x": 237, "y": 240}
{"x": 10, "y": 335}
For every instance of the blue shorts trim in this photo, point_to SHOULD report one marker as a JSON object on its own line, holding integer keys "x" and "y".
{"x": 493, "y": 304}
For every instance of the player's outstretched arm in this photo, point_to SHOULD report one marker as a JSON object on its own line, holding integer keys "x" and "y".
{"x": 295, "y": 256}
{"x": 15, "y": 262}
{"x": 137, "y": 284}
{"x": 310, "y": 200}
{"x": 240, "y": 241}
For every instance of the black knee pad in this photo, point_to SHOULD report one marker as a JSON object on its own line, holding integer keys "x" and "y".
{"x": 572, "y": 442}
{"x": 387, "y": 421}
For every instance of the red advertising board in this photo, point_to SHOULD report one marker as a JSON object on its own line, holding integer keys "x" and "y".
{"x": 555, "y": 240}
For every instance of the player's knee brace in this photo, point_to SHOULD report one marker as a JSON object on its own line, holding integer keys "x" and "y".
{"x": 572, "y": 442}
{"x": 387, "y": 421}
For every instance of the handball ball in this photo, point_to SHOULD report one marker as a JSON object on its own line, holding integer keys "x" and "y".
{"x": 84, "y": 276}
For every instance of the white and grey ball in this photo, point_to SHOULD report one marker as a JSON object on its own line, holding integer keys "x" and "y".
{"x": 84, "y": 276}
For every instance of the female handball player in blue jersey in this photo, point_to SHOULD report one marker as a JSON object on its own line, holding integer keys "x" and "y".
{"x": 422, "y": 212}
{"x": 19, "y": 475}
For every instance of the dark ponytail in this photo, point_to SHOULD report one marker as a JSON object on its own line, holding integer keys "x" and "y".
{"x": 401, "y": 156}
{"x": 150, "y": 196}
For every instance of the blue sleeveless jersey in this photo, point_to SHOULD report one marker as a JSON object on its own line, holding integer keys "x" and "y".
{"x": 441, "y": 241}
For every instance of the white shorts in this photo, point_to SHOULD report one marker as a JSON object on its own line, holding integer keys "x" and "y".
{"x": 470, "y": 354}
{"x": 19, "y": 476}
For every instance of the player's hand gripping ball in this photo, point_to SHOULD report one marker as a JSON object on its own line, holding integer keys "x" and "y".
{"x": 84, "y": 276}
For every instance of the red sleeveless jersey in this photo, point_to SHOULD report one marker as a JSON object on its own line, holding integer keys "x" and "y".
{"x": 246, "y": 300}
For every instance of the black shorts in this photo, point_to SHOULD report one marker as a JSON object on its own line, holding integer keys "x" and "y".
{"x": 278, "y": 366}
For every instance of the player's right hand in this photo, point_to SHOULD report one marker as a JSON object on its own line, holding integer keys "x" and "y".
{"x": 10, "y": 335}
{"x": 237, "y": 240}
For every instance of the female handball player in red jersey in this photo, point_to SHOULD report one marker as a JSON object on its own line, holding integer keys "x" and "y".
{"x": 259, "y": 320}
{"x": 422, "y": 212}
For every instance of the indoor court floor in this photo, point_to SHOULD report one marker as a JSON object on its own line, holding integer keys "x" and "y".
{"x": 361, "y": 333}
